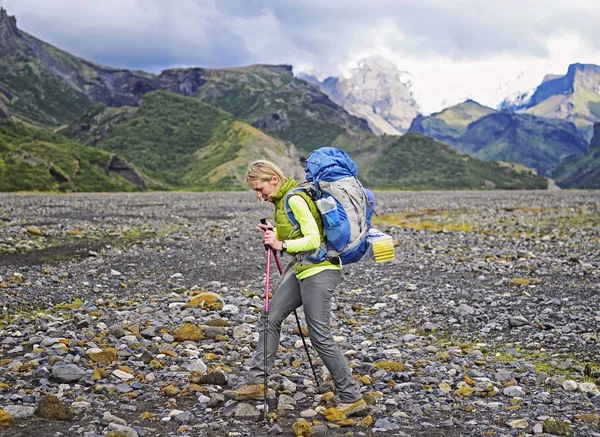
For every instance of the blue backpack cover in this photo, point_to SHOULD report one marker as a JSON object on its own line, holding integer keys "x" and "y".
{"x": 346, "y": 207}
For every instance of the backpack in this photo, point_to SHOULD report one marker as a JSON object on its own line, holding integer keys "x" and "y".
{"x": 346, "y": 207}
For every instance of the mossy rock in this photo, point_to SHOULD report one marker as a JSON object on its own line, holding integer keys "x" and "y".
{"x": 557, "y": 427}
{"x": 51, "y": 408}
{"x": 390, "y": 366}
{"x": 106, "y": 356}
{"x": 334, "y": 415}
{"x": 522, "y": 282}
{"x": 464, "y": 391}
{"x": 218, "y": 322}
{"x": 207, "y": 301}
{"x": 304, "y": 330}
{"x": 302, "y": 428}
{"x": 213, "y": 378}
{"x": 189, "y": 332}
{"x": 367, "y": 421}
{"x": 5, "y": 419}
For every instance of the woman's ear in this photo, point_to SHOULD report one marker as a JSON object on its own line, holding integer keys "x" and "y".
{"x": 275, "y": 179}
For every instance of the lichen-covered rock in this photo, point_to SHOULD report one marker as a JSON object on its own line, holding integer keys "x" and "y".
{"x": 213, "y": 378}
{"x": 334, "y": 415}
{"x": 207, "y": 300}
{"x": 6, "y": 420}
{"x": 106, "y": 356}
{"x": 302, "y": 428}
{"x": 464, "y": 391}
{"x": 557, "y": 427}
{"x": 49, "y": 407}
{"x": 390, "y": 366}
{"x": 188, "y": 332}
{"x": 367, "y": 421}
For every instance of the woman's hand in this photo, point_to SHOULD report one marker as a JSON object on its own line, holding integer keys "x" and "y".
{"x": 270, "y": 239}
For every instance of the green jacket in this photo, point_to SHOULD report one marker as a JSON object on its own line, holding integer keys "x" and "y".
{"x": 285, "y": 230}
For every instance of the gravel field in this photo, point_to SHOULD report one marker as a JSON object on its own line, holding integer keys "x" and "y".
{"x": 132, "y": 314}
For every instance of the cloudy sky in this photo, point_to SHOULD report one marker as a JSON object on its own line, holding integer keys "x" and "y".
{"x": 453, "y": 49}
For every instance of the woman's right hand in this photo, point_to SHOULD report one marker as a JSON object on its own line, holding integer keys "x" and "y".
{"x": 265, "y": 227}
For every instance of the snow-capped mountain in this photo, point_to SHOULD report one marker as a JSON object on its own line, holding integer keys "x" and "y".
{"x": 375, "y": 90}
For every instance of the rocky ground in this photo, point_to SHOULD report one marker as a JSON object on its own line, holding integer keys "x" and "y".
{"x": 131, "y": 314}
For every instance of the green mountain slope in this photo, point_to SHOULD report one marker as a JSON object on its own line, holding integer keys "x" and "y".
{"x": 182, "y": 142}
{"x": 272, "y": 100}
{"x": 535, "y": 142}
{"x": 582, "y": 172}
{"x": 416, "y": 162}
{"x": 35, "y": 160}
{"x": 49, "y": 87}
{"x": 447, "y": 125}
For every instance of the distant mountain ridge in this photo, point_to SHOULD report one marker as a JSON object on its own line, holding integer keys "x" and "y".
{"x": 574, "y": 97}
{"x": 195, "y": 128}
{"x": 375, "y": 90}
{"x": 449, "y": 124}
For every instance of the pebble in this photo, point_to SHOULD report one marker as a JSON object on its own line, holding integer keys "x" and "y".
{"x": 420, "y": 312}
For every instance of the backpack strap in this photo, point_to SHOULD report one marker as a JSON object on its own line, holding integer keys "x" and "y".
{"x": 319, "y": 254}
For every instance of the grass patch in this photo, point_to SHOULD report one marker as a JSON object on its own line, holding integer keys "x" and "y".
{"x": 427, "y": 220}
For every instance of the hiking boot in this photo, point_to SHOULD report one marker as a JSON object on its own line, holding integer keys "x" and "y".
{"x": 351, "y": 408}
{"x": 248, "y": 391}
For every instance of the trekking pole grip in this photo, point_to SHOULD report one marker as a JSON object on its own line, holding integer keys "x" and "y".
{"x": 263, "y": 221}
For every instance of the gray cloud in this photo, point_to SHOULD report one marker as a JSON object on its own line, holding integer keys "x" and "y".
{"x": 157, "y": 34}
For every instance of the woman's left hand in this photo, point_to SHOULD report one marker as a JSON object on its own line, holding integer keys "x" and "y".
{"x": 271, "y": 240}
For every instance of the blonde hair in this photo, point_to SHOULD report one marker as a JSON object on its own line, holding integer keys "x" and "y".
{"x": 263, "y": 170}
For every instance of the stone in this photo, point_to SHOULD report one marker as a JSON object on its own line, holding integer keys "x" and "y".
{"x": 557, "y": 427}
{"x": 188, "y": 332}
{"x": 67, "y": 372}
{"x": 570, "y": 385}
{"x": 385, "y": 425}
{"x": 5, "y": 419}
{"x": 19, "y": 411}
{"x": 109, "y": 418}
{"x": 302, "y": 428}
{"x": 106, "y": 356}
{"x": 334, "y": 415}
{"x": 49, "y": 407}
{"x": 34, "y": 230}
{"x": 518, "y": 424}
{"x": 213, "y": 378}
{"x": 390, "y": 366}
{"x": 516, "y": 321}
{"x": 207, "y": 300}
{"x": 123, "y": 430}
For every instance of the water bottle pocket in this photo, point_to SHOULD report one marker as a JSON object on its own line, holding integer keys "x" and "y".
{"x": 338, "y": 236}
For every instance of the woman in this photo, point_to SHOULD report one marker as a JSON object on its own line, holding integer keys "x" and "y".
{"x": 311, "y": 285}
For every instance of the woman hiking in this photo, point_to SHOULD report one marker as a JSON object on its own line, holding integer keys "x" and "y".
{"x": 311, "y": 285}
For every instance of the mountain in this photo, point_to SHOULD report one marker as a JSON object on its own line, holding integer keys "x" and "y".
{"x": 419, "y": 162}
{"x": 376, "y": 91}
{"x": 191, "y": 128}
{"x": 449, "y": 124}
{"x": 271, "y": 99}
{"x": 183, "y": 142}
{"x": 535, "y": 142}
{"x": 584, "y": 171}
{"x": 35, "y": 160}
{"x": 574, "y": 96}
{"x": 49, "y": 87}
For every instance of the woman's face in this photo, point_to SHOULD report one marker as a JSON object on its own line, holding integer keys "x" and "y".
{"x": 264, "y": 189}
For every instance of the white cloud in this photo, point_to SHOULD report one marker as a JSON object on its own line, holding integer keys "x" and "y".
{"x": 454, "y": 49}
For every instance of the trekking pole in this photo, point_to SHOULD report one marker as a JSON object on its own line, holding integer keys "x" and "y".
{"x": 299, "y": 325}
{"x": 265, "y": 329}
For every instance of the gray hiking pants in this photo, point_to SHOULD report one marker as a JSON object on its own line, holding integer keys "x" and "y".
{"x": 315, "y": 293}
